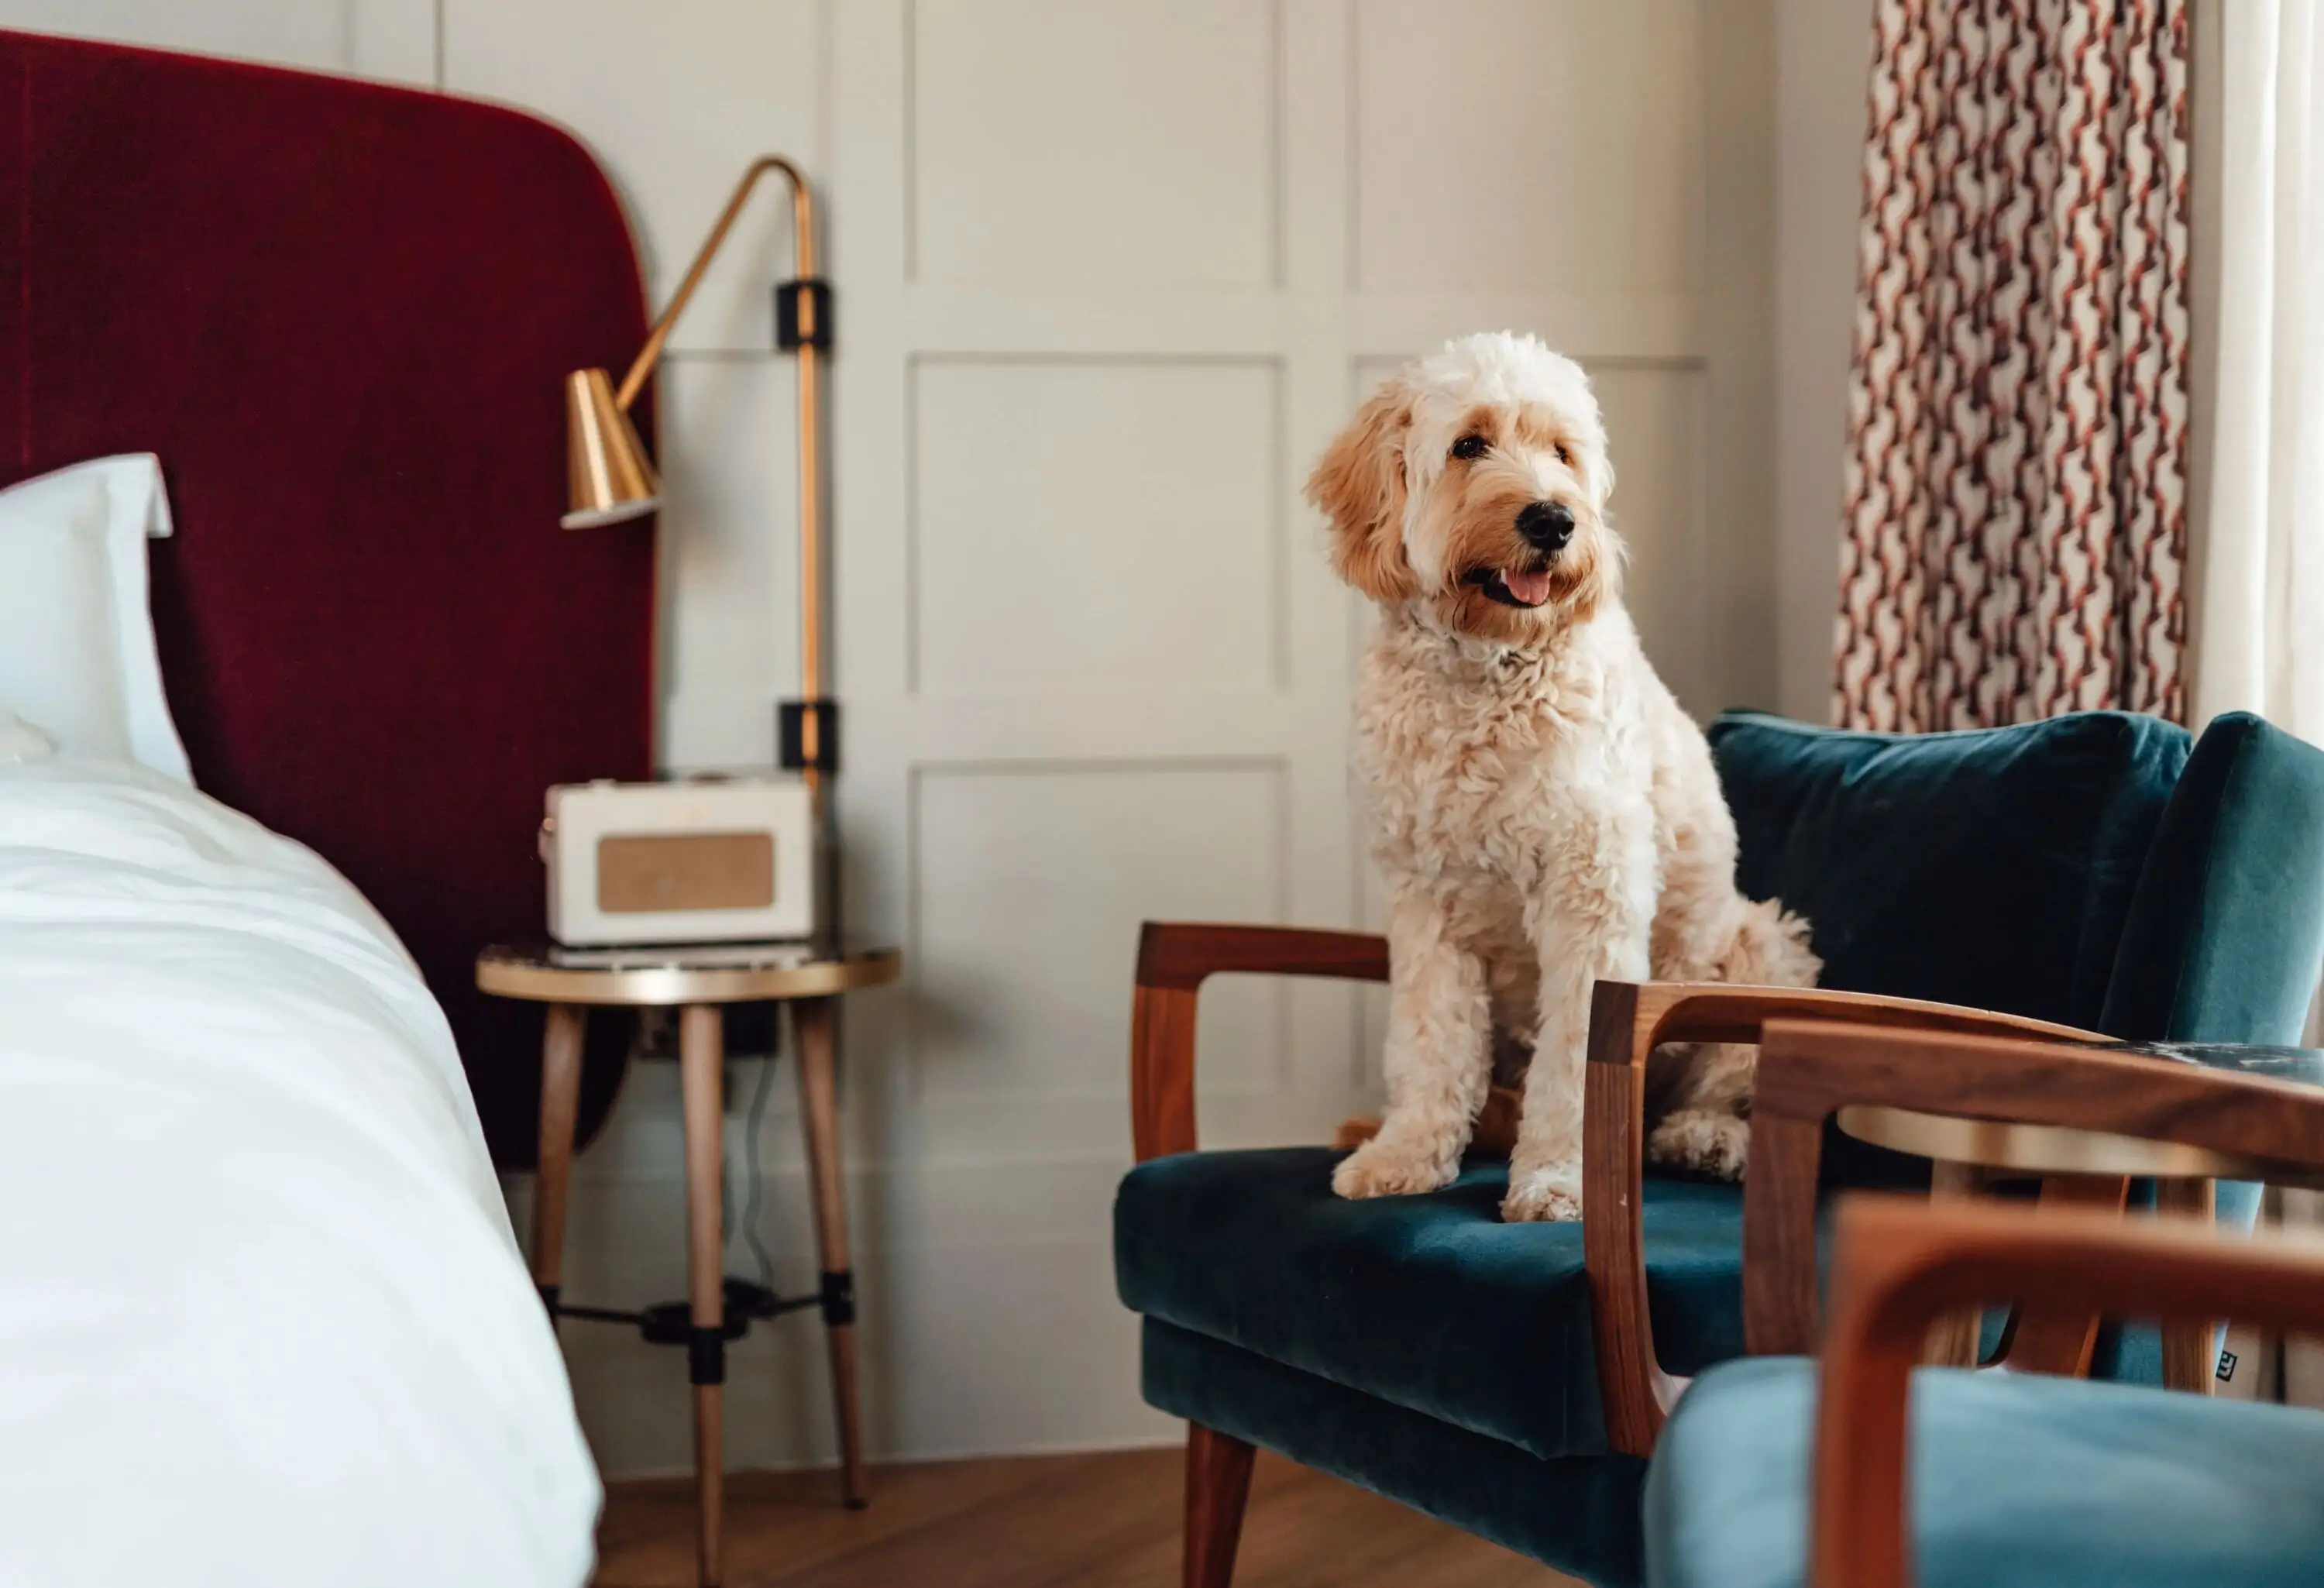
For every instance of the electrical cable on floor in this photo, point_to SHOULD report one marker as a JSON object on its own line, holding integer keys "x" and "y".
{"x": 755, "y": 1120}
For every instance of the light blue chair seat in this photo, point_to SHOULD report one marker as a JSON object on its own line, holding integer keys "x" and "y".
{"x": 2016, "y": 1482}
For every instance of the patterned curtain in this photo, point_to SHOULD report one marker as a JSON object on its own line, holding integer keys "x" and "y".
{"x": 2016, "y": 473}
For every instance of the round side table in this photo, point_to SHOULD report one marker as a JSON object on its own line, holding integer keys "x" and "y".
{"x": 698, "y": 982}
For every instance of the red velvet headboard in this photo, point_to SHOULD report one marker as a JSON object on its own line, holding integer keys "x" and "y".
{"x": 342, "y": 315}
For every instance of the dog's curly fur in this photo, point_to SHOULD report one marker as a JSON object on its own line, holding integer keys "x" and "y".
{"x": 1542, "y": 811}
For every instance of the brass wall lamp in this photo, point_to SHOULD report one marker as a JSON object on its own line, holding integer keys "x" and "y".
{"x": 611, "y": 479}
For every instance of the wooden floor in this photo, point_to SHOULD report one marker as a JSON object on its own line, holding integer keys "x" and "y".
{"x": 1095, "y": 1521}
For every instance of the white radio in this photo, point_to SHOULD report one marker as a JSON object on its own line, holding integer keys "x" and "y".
{"x": 680, "y": 863}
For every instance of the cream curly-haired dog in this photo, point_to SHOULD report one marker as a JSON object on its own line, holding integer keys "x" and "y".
{"x": 1542, "y": 811}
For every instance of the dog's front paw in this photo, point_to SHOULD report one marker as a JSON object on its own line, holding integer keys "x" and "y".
{"x": 1702, "y": 1140}
{"x": 1386, "y": 1167}
{"x": 1551, "y": 1195}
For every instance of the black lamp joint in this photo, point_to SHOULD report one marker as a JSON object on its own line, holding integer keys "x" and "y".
{"x": 807, "y": 735}
{"x": 802, "y": 315}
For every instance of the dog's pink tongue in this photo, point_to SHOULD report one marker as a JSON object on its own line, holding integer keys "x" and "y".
{"x": 1533, "y": 589}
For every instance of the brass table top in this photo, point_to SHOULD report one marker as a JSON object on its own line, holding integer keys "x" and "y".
{"x": 2051, "y": 1149}
{"x": 680, "y": 974}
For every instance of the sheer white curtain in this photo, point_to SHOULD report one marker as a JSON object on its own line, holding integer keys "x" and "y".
{"x": 2258, "y": 519}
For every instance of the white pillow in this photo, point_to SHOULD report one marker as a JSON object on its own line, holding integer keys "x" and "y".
{"x": 77, "y": 652}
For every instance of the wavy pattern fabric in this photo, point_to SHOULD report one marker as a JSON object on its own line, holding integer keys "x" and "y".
{"x": 2015, "y": 519}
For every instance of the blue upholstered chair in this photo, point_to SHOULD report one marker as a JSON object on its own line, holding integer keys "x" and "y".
{"x": 2016, "y": 1480}
{"x": 2096, "y": 870}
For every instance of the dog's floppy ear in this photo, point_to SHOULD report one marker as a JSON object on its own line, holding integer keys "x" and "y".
{"x": 1360, "y": 487}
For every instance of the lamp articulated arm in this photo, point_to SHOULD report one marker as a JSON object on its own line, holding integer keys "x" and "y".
{"x": 803, "y": 263}
{"x": 612, "y": 479}
{"x": 812, "y": 334}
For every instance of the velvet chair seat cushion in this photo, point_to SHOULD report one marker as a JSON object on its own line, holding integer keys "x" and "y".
{"x": 2016, "y": 1482}
{"x": 1430, "y": 1303}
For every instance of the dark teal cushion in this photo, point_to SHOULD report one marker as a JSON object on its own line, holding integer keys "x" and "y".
{"x": 1993, "y": 869}
{"x": 1580, "y": 1514}
{"x": 1428, "y": 1302}
{"x": 2016, "y": 1482}
{"x": 2227, "y": 930}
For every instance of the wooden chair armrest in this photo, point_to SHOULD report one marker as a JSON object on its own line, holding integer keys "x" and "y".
{"x": 1174, "y": 957}
{"x": 1627, "y": 1021}
{"x": 1713, "y": 1011}
{"x": 1900, "y": 1265}
{"x": 1810, "y": 1069}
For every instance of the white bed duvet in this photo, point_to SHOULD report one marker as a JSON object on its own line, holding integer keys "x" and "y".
{"x": 262, "y": 1318}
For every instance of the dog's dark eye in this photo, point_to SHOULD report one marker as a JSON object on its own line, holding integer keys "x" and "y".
{"x": 1469, "y": 447}
{"x": 1563, "y": 456}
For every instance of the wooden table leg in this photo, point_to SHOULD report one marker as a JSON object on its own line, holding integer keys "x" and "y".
{"x": 812, "y": 1022}
{"x": 702, "y": 1060}
{"x": 560, "y": 1105}
{"x": 1953, "y": 1341}
{"x": 2061, "y": 1341}
{"x": 2189, "y": 1350}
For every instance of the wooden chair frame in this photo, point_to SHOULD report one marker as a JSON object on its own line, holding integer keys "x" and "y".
{"x": 1902, "y": 1265}
{"x": 1808, "y": 1070}
{"x": 1628, "y": 1022}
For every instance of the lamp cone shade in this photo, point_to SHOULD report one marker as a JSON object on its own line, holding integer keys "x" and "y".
{"x": 609, "y": 479}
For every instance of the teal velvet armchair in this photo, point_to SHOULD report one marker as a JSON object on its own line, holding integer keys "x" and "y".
{"x": 2095, "y": 873}
{"x": 1779, "y": 1471}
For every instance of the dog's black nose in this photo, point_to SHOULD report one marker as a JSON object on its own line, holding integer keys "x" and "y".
{"x": 1548, "y": 525}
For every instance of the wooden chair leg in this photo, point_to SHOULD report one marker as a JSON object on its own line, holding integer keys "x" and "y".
{"x": 560, "y": 1105}
{"x": 701, "y": 1078}
{"x": 2060, "y": 1342}
{"x": 812, "y": 1022}
{"x": 1953, "y": 1341}
{"x": 1218, "y": 1486}
{"x": 2189, "y": 1350}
